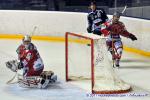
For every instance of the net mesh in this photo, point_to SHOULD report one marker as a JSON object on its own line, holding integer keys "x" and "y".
{"x": 79, "y": 61}
{"x": 80, "y": 64}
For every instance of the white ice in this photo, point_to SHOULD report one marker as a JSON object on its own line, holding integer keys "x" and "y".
{"x": 135, "y": 70}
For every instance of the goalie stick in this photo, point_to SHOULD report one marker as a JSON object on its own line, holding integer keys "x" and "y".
{"x": 10, "y": 81}
{"x": 113, "y": 52}
{"x": 30, "y": 33}
{"x": 10, "y": 56}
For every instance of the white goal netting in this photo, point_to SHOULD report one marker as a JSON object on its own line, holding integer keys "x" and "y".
{"x": 87, "y": 59}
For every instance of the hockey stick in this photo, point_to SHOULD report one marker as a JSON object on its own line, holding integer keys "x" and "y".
{"x": 34, "y": 29}
{"x": 9, "y": 82}
{"x": 124, "y": 9}
{"x": 113, "y": 52}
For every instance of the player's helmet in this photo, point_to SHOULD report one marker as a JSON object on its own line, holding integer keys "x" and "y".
{"x": 117, "y": 14}
{"x": 26, "y": 38}
{"x": 93, "y": 3}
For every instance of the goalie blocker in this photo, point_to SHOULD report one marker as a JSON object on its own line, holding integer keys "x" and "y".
{"x": 42, "y": 81}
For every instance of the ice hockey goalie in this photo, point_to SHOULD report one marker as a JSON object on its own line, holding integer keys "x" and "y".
{"x": 31, "y": 65}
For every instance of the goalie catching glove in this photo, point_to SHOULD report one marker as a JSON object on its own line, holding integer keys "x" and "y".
{"x": 14, "y": 65}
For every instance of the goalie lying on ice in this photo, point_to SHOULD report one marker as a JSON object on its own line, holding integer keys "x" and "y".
{"x": 114, "y": 29}
{"x": 32, "y": 65}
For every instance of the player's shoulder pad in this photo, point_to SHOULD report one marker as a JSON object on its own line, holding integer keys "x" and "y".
{"x": 90, "y": 13}
{"x": 101, "y": 10}
{"x": 31, "y": 46}
{"x": 121, "y": 23}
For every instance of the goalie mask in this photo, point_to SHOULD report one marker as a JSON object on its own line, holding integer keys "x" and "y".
{"x": 26, "y": 40}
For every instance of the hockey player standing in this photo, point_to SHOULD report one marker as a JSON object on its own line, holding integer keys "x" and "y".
{"x": 95, "y": 19}
{"x": 113, "y": 29}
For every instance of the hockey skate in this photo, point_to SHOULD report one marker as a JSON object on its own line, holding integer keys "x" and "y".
{"x": 117, "y": 63}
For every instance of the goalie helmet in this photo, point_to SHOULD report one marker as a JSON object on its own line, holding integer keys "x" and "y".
{"x": 26, "y": 38}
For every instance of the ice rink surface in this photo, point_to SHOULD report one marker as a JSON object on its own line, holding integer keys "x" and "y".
{"x": 135, "y": 70}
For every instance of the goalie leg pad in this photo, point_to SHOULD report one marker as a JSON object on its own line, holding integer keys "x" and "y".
{"x": 33, "y": 82}
{"x": 41, "y": 81}
{"x": 29, "y": 82}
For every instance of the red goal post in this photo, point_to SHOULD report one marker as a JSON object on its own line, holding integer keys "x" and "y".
{"x": 92, "y": 54}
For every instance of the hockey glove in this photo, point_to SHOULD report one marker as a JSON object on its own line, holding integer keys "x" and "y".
{"x": 132, "y": 37}
{"x": 20, "y": 65}
{"x": 97, "y": 32}
{"x": 89, "y": 30}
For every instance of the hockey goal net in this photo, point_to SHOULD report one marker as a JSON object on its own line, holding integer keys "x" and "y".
{"x": 87, "y": 59}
